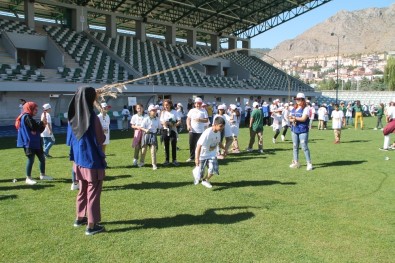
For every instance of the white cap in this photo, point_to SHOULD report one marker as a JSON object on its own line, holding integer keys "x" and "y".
{"x": 204, "y": 104}
{"x": 214, "y": 102}
{"x": 247, "y": 103}
{"x": 179, "y": 105}
{"x": 285, "y": 104}
{"x": 255, "y": 104}
{"x": 151, "y": 107}
{"x": 104, "y": 105}
{"x": 300, "y": 96}
{"x": 198, "y": 100}
{"x": 313, "y": 104}
{"x": 222, "y": 107}
{"x": 46, "y": 106}
{"x": 208, "y": 103}
{"x": 232, "y": 106}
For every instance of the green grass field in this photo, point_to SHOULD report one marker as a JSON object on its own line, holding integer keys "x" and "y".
{"x": 259, "y": 210}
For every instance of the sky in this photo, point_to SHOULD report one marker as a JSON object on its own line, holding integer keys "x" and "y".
{"x": 297, "y": 26}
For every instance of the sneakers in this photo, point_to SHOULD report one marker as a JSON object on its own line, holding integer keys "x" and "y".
{"x": 294, "y": 165}
{"x": 273, "y": 140}
{"x": 196, "y": 175}
{"x": 134, "y": 162}
{"x": 375, "y": 129}
{"x": 249, "y": 150}
{"x": 30, "y": 181}
{"x": 282, "y": 138}
{"x": 46, "y": 177}
{"x": 220, "y": 157}
{"x": 236, "y": 151}
{"x": 207, "y": 184}
{"x": 96, "y": 229}
{"x": 141, "y": 165}
{"x": 189, "y": 160}
{"x": 261, "y": 151}
{"x": 309, "y": 167}
{"x": 83, "y": 221}
{"x": 383, "y": 149}
{"x": 154, "y": 167}
{"x": 166, "y": 163}
{"x": 74, "y": 187}
{"x": 175, "y": 163}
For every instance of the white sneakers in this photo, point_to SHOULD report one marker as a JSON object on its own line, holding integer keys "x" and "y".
{"x": 74, "y": 187}
{"x": 134, "y": 162}
{"x": 297, "y": 165}
{"x": 282, "y": 138}
{"x": 274, "y": 140}
{"x": 207, "y": 184}
{"x": 141, "y": 165}
{"x": 154, "y": 167}
{"x": 46, "y": 177}
{"x": 30, "y": 181}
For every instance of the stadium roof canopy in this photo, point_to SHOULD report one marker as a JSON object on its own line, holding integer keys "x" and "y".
{"x": 241, "y": 18}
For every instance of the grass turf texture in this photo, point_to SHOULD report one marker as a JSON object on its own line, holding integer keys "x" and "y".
{"x": 258, "y": 209}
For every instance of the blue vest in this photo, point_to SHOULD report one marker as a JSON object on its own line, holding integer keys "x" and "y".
{"x": 87, "y": 152}
{"x": 299, "y": 127}
{"x": 26, "y": 138}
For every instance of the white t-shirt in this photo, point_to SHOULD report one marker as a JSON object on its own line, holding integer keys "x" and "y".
{"x": 234, "y": 121}
{"x": 321, "y": 113}
{"x": 105, "y": 123}
{"x": 170, "y": 115}
{"x": 195, "y": 113}
{"x": 209, "y": 141}
{"x": 227, "y": 128}
{"x": 277, "y": 121}
{"x": 125, "y": 113}
{"x": 46, "y": 132}
{"x": 337, "y": 119}
{"x": 151, "y": 124}
{"x": 391, "y": 112}
{"x": 137, "y": 119}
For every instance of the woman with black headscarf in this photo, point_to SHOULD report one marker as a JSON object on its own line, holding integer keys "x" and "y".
{"x": 86, "y": 142}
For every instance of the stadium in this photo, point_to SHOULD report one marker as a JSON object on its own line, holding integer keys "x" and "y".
{"x": 159, "y": 49}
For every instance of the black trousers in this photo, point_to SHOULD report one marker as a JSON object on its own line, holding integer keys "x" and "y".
{"x": 193, "y": 139}
{"x": 173, "y": 140}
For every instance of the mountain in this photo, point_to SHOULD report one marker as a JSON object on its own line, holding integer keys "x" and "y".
{"x": 365, "y": 31}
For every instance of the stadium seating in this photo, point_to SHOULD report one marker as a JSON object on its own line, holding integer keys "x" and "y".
{"x": 15, "y": 26}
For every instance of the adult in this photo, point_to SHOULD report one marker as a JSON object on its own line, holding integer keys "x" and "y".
{"x": 390, "y": 127}
{"x": 299, "y": 118}
{"x": 247, "y": 114}
{"x": 196, "y": 122}
{"x": 181, "y": 114}
{"x": 379, "y": 115}
{"x": 343, "y": 108}
{"x": 47, "y": 134}
{"x": 349, "y": 113}
{"x": 86, "y": 142}
{"x": 170, "y": 120}
{"x": 357, "y": 108}
{"x": 265, "y": 111}
{"x": 105, "y": 123}
{"x": 256, "y": 128}
{"x": 29, "y": 139}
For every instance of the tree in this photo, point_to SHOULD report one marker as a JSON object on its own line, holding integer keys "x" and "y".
{"x": 389, "y": 74}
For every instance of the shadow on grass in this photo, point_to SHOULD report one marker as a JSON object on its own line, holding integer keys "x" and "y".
{"x": 210, "y": 216}
{"x": 224, "y": 186}
{"x": 5, "y": 197}
{"x": 25, "y": 186}
{"x": 339, "y": 163}
{"x": 115, "y": 177}
{"x": 147, "y": 186}
{"x": 356, "y": 141}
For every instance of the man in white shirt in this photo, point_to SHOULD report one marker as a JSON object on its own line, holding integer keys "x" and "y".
{"x": 47, "y": 134}
{"x": 196, "y": 122}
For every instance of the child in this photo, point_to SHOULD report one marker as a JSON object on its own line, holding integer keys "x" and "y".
{"x": 277, "y": 122}
{"x": 135, "y": 123}
{"x": 285, "y": 121}
{"x": 234, "y": 127}
{"x": 150, "y": 126}
{"x": 337, "y": 121}
{"x": 47, "y": 134}
{"x": 105, "y": 123}
{"x": 206, "y": 151}
{"x": 125, "y": 117}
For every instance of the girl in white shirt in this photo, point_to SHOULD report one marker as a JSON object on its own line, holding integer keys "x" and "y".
{"x": 105, "y": 123}
{"x": 135, "y": 123}
{"x": 150, "y": 127}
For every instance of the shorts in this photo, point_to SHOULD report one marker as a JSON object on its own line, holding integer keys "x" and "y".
{"x": 212, "y": 165}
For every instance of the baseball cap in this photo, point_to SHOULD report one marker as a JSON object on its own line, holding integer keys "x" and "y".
{"x": 300, "y": 95}
{"x": 104, "y": 105}
{"x": 179, "y": 105}
{"x": 151, "y": 107}
{"x": 232, "y": 106}
{"x": 255, "y": 104}
{"x": 198, "y": 100}
{"x": 222, "y": 107}
{"x": 46, "y": 106}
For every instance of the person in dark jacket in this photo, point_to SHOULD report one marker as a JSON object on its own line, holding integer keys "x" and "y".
{"x": 29, "y": 139}
{"x": 86, "y": 152}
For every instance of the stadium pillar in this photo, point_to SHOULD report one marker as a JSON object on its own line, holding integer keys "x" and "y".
{"x": 191, "y": 38}
{"x": 214, "y": 43}
{"x": 140, "y": 31}
{"x": 232, "y": 43}
{"x": 246, "y": 43}
{"x": 111, "y": 26}
{"x": 29, "y": 13}
{"x": 170, "y": 35}
{"x": 79, "y": 19}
